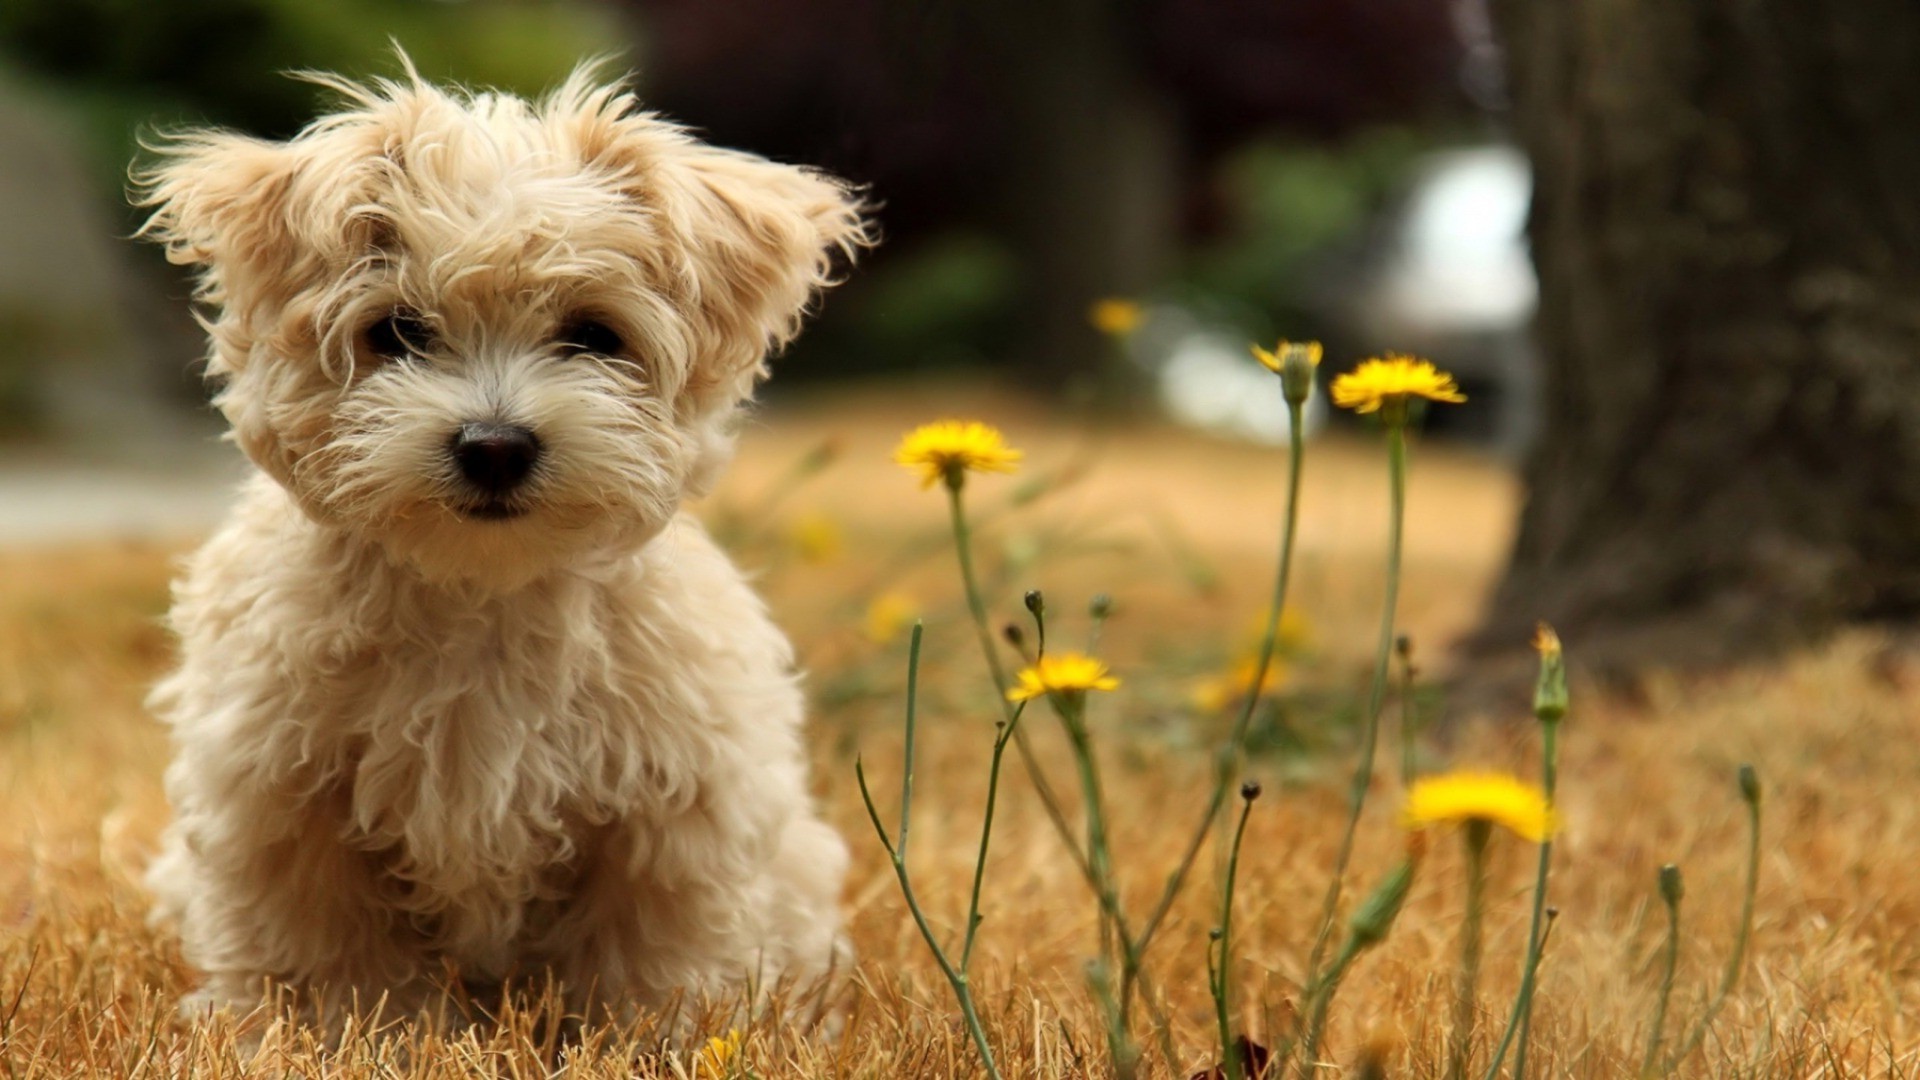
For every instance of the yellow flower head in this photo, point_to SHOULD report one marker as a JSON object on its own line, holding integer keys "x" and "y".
{"x": 889, "y": 614}
{"x": 1064, "y": 673}
{"x": 1391, "y": 381}
{"x": 1461, "y": 797}
{"x": 1277, "y": 359}
{"x": 1116, "y": 316}
{"x": 717, "y": 1056}
{"x": 948, "y": 449}
{"x": 816, "y": 537}
{"x": 1219, "y": 691}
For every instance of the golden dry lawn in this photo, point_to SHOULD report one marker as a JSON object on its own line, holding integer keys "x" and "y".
{"x": 1180, "y": 530}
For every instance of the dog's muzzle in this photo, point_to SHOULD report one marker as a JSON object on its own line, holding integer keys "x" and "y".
{"x": 495, "y": 459}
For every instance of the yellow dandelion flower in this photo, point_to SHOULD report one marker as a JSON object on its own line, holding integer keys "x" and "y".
{"x": 1064, "y": 673}
{"x": 1215, "y": 693}
{"x": 890, "y": 613}
{"x": 1391, "y": 381}
{"x": 1277, "y": 359}
{"x": 1292, "y": 635}
{"x": 948, "y": 449}
{"x": 717, "y": 1056}
{"x": 1116, "y": 316}
{"x": 1461, "y": 797}
{"x": 816, "y": 537}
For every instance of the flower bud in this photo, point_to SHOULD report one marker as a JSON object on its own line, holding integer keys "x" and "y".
{"x": 1036, "y": 603}
{"x": 1749, "y": 784}
{"x": 1374, "y": 918}
{"x": 1294, "y": 362}
{"x": 1550, "y": 693}
{"x": 1250, "y": 790}
{"x": 1672, "y": 888}
{"x": 1101, "y": 606}
{"x": 1015, "y": 636}
{"x": 1296, "y": 372}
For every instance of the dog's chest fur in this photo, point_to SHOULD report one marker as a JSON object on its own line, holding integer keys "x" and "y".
{"x": 478, "y": 750}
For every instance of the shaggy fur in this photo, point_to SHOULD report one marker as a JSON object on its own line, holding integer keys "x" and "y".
{"x": 422, "y": 727}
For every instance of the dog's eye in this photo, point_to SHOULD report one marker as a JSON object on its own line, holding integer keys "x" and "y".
{"x": 590, "y": 336}
{"x": 399, "y": 334}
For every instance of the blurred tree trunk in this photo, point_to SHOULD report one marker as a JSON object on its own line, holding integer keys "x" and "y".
{"x": 1093, "y": 180}
{"x": 1727, "y": 227}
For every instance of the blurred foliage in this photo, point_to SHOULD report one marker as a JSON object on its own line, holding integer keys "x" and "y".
{"x": 129, "y": 65}
{"x": 1287, "y": 125}
{"x": 1294, "y": 121}
{"x": 1289, "y": 204}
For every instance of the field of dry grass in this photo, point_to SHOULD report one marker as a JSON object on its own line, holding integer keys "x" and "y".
{"x": 1179, "y": 529}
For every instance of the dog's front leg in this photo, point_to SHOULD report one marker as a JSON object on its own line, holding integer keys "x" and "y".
{"x": 270, "y": 901}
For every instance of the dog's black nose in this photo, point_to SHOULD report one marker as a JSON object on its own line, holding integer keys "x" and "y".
{"x": 495, "y": 457}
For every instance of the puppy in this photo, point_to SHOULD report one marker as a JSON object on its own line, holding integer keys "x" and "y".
{"x": 462, "y": 688}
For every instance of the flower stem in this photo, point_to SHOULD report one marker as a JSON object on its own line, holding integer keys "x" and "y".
{"x": 1736, "y": 962}
{"x": 976, "y": 604}
{"x": 1376, "y": 698}
{"x": 1521, "y": 1020}
{"x": 963, "y": 546}
{"x": 1224, "y": 770}
{"x": 1409, "y": 713}
{"x": 1467, "y": 989}
{"x": 1320, "y": 999}
{"x": 1672, "y": 898}
{"x": 1222, "y": 973}
{"x": 897, "y": 853}
{"x": 986, "y": 832}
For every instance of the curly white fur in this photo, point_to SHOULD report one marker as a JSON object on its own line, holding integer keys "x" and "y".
{"x": 563, "y": 738}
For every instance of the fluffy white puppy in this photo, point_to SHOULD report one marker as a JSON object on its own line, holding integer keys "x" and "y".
{"x": 461, "y": 688}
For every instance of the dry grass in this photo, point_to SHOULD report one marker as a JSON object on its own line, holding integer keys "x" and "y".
{"x": 87, "y": 988}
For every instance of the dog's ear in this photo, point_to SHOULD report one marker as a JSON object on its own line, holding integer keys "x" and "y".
{"x": 759, "y": 240}
{"x": 221, "y": 202}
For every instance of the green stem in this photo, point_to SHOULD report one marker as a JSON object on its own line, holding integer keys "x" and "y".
{"x": 1363, "y": 769}
{"x": 1409, "y": 719}
{"x": 1270, "y": 638}
{"x": 1320, "y": 1000}
{"x": 1222, "y": 975}
{"x": 1072, "y": 712}
{"x": 1521, "y": 1019}
{"x": 1736, "y": 962}
{"x": 963, "y": 544}
{"x": 977, "y": 606}
{"x": 986, "y": 833}
{"x": 1647, "y": 1065}
{"x": 1467, "y": 990}
{"x": 897, "y": 853}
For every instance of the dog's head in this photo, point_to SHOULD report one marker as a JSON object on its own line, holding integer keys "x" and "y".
{"x": 492, "y": 335}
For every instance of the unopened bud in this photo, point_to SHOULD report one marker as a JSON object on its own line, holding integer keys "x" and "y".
{"x": 1672, "y": 888}
{"x": 1015, "y": 636}
{"x": 1294, "y": 363}
{"x": 1749, "y": 784}
{"x": 1101, "y": 606}
{"x": 1250, "y": 790}
{"x": 1374, "y": 918}
{"x": 1036, "y": 603}
{"x": 1550, "y": 693}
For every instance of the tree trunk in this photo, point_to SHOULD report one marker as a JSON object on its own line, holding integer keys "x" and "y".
{"x": 1726, "y": 222}
{"x": 1093, "y": 182}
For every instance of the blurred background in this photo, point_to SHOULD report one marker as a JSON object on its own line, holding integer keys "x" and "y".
{"x": 1099, "y": 203}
